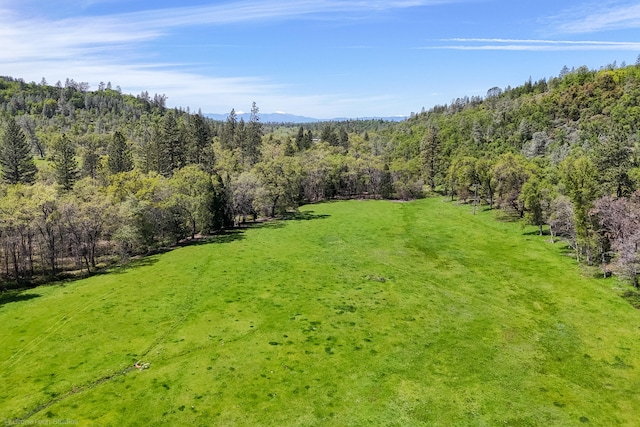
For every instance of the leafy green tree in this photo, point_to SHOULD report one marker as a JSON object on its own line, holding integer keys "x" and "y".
{"x": 86, "y": 214}
{"x": 536, "y": 196}
{"x": 64, "y": 162}
{"x": 15, "y": 156}
{"x": 578, "y": 174}
{"x": 562, "y": 220}
{"x": 46, "y": 222}
{"x": 244, "y": 194}
{"x": 16, "y": 217}
{"x": 486, "y": 179}
{"x": 612, "y": 158}
{"x": 120, "y": 158}
{"x": 318, "y": 168}
{"x": 511, "y": 171}
{"x": 406, "y": 178}
{"x": 192, "y": 195}
{"x": 143, "y": 198}
{"x": 280, "y": 177}
{"x": 462, "y": 176}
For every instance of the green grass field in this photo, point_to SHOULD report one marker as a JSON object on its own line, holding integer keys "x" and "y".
{"x": 351, "y": 313}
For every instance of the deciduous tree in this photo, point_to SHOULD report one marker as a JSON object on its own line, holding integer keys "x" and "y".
{"x": 578, "y": 174}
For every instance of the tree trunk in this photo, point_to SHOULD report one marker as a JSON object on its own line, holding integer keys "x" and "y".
{"x": 85, "y": 257}
{"x": 6, "y": 260}
{"x": 16, "y": 269}
{"x": 30, "y": 249}
{"x": 92, "y": 253}
{"x": 52, "y": 255}
{"x": 273, "y": 206}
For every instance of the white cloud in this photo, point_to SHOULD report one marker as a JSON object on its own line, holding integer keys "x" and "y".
{"x": 604, "y": 16}
{"x": 262, "y": 10}
{"x": 535, "y": 45}
{"x": 26, "y": 37}
{"x": 115, "y": 47}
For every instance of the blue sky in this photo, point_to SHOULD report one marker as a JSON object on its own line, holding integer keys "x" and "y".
{"x": 318, "y": 58}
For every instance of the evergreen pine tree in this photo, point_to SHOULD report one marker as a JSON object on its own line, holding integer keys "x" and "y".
{"x": 15, "y": 156}
{"x": 228, "y": 135}
{"x": 199, "y": 139}
{"x": 120, "y": 159}
{"x": 64, "y": 161}
{"x": 431, "y": 156}
{"x": 171, "y": 147}
{"x": 253, "y": 139}
{"x": 90, "y": 159}
{"x": 300, "y": 139}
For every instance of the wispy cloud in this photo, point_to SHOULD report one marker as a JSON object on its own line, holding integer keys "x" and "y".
{"x": 118, "y": 47}
{"x": 24, "y": 38}
{"x": 533, "y": 45}
{"x": 591, "y": 18}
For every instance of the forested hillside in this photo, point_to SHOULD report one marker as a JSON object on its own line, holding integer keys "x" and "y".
{"x": 562, "y": 153}
{"x": 90, "y": 177}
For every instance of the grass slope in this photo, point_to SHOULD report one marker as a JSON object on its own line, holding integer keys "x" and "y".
{"x": 354, "y": 313}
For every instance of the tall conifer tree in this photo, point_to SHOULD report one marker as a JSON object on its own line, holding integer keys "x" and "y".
{"x": 120, "y": 159}
{"x": 253, "y": 140}
{"x": 15, "y": 156}
{"x": 65, "y": 164}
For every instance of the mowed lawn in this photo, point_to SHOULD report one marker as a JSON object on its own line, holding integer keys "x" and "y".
{"x": 351, "y": 313}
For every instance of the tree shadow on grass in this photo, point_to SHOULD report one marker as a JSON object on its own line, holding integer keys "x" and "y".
{"x": 224, "y": 236}
{"x": 633, "y": 298}
{"x": 303, "y": 216}
{"x": 282, "y": 219}
{"x": 16, "y": 296}
{"x": 536, "y": 232}
{"x": 138, "y": 262}
{"x": 566, "y": 249}
{"x": 507, "y": 216}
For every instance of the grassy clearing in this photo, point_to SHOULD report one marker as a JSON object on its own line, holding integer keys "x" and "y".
{"x": 352, "y": 313}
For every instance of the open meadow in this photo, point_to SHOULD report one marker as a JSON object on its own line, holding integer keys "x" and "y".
{"x": 347, "y": 313}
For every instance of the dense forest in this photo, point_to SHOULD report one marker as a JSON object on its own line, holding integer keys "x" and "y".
{"x": 94, "y": 177}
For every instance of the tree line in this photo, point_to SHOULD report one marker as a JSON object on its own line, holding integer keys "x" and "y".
{"x": 105, "y": 176}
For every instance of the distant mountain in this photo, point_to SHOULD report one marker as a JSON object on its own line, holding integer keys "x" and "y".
{"x": 292, "y": 118}
{"x": 267, "y": 118}
{"x": 386, "y": 119}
